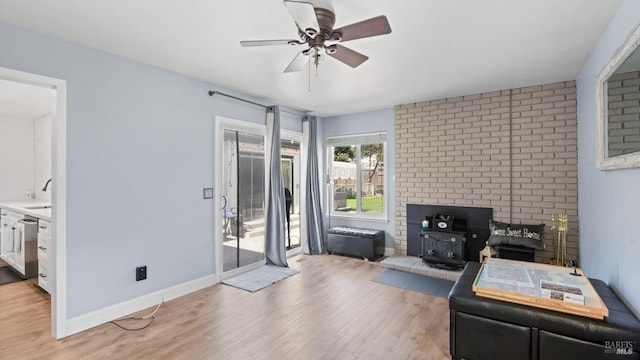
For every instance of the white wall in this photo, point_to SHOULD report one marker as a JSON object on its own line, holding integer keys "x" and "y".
{"x": 16, "y": 158}
{"x": 42, "y": 158}
{"x": 608, "y": 201}
{"x": 139, "y": 152}
{"x": 367, "y": 122}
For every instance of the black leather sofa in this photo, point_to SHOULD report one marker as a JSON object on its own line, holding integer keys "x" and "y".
{"x": 482, "y": 328}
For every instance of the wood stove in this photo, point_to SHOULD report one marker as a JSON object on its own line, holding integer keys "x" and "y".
{"x": 455, "y": 244}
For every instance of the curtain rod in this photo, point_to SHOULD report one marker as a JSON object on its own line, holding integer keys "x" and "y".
{"x": 216, "y": 92}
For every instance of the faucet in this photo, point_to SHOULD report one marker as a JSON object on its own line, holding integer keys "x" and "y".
{"x": 45, "y": 185}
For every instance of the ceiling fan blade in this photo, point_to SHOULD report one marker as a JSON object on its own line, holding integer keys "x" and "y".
{"x": 252, "y": 43}
{"x": 304, "y": 16}
{"x": 347, "y": 56}
{"x": 372, "y": 27}
{"x": 298, "y": 62}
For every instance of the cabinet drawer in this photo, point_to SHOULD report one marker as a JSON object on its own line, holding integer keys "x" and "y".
{"x": 43, "y": 265}
{"x": 42, "y": 256}
{"x": 43, "y": 244}
{"x": 43, "y": 275}
{"x": 44, "y": 226}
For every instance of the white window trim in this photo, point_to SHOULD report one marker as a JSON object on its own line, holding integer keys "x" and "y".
{"x": 349, "y": 140}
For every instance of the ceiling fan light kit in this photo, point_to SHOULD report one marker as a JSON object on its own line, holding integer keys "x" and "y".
{"x": 315, "y": 29}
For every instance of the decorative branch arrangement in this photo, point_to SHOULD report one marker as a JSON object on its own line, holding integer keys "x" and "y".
{"x": 559, "y": 226}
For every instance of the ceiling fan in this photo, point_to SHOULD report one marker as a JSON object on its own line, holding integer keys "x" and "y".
{"x": 315, "y": 29}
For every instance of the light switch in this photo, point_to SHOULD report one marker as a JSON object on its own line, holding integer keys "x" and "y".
{"x": 207, "y": 193}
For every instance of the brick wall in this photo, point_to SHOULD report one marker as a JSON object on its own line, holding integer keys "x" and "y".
{"x": 512, "y": 150}
{"x": 624, "y": 113}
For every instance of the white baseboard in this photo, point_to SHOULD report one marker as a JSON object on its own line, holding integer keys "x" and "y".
{"x": 109, "y": 313}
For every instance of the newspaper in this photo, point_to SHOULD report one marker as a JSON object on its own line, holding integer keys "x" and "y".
{"x": 562, "y": 292}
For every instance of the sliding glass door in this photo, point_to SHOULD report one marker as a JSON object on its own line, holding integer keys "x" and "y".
{"x": 290, "y": 162}
{"x": 242, "y": 206}
{"x": 240, "y": 187}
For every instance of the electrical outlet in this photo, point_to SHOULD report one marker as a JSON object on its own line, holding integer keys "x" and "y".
{"x": 207, "y": 193}
{"x": 141, "y": 273}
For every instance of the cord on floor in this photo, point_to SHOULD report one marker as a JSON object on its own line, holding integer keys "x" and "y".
{"x": 150, "y": 317}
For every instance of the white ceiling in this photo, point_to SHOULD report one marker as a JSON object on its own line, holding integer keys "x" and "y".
{"x": 436, "y": 49}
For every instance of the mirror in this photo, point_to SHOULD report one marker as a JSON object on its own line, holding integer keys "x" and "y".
{"x": 618, "y": 88}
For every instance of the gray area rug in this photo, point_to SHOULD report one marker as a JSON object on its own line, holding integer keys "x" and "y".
{"x": 416, "y": 282}
{"x": 230, "y": 257}
{"x": 260, "y": 278}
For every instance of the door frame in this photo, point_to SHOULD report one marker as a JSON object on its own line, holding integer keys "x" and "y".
{"x": 221, "y": 124}
{"x": 297, "y": 180}
{"x": 58, "y": 245}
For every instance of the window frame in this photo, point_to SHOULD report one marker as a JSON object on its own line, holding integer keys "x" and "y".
{"x": 356, "y": 140}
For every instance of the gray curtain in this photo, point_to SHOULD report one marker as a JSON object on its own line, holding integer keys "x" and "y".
{"x": 315, "y": 227}
{"x": 275, "y": 253}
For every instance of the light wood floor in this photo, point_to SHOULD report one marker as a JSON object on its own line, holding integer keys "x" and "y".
{"x": 330, "y": 310}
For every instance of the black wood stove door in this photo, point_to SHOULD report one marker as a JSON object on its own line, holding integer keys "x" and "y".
{"x": 443, "y": 249}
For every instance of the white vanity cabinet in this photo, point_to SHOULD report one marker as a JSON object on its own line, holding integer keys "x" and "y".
{"x": 44, "y": 240}
{"x": 18, "y": 242}
{"x": 7, "y": 221}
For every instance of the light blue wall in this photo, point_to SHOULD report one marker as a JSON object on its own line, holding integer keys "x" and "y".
{"x": 608, "y": 201}
{"x": 139, "y": 151}
{"x": 368, "y": 122}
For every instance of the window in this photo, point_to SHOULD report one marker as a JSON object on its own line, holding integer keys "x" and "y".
{"x": 356, "y": 165}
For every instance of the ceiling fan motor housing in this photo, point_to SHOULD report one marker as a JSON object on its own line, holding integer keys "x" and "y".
{"x": 326, "y": 20}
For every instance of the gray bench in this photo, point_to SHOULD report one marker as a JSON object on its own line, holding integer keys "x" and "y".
{"x": 366, "y": 243}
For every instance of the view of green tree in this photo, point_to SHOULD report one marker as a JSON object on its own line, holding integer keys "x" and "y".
{"x": 344, "y": 153}
{"x": 369, "y": 151}
{"x": 360, "y": 183}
